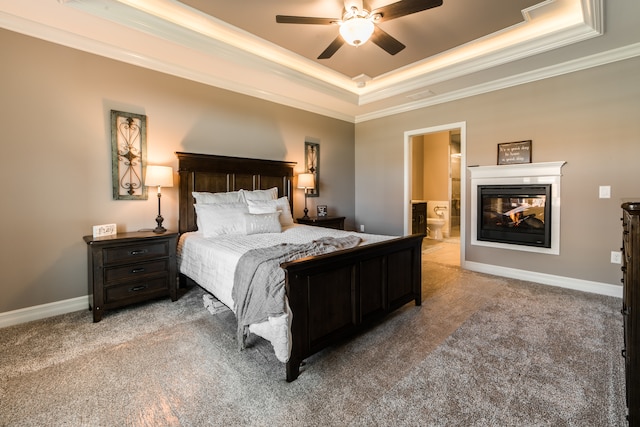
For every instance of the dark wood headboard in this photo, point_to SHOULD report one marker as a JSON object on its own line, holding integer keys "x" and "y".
{"x": 216, "y": 174}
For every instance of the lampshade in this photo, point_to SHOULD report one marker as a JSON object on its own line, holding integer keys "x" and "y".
{"x": 306, "y": 181}
{"x": 356, "y": 31}
{"x": 159, "y": 176}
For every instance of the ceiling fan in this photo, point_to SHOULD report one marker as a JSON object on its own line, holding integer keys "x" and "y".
{"x": 358, "y": 24}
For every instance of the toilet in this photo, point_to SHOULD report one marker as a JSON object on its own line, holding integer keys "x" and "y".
{"x": 436, "y": 219}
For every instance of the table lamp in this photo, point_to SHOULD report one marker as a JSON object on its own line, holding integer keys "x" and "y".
{"x": 159, "y": 176}
{"x": 307, "y": 182}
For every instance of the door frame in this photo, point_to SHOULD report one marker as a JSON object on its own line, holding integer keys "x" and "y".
{"x": 408, "y": 173}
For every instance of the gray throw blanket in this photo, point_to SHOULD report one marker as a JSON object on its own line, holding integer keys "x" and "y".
{"x": 258, "y": 289}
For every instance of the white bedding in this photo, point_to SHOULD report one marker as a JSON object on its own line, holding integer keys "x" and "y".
{"x": 212, "y": 262}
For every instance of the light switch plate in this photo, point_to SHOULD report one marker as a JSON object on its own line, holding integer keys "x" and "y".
{"x": 104, "y": 230}
{"x": 605, "y": 191}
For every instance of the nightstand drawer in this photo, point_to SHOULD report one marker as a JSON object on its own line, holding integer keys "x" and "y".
{"x": 141, "y": 288}
{"x": 135, "y": 271}
{"x": 134, "y": 253}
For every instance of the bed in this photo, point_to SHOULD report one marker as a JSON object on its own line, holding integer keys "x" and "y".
{"x": 328, "y": 296}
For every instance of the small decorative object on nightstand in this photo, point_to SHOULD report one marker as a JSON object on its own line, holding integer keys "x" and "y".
{"x": 128, "y": 268}
{"x": 336, "y": 222}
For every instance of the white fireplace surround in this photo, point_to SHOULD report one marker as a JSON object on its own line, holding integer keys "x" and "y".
{"x": 519, "y": 174}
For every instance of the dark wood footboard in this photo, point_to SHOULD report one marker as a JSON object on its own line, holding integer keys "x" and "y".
{"x": 334, "y": 295}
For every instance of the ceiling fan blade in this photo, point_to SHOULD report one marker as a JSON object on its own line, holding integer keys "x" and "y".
{"x": 332, "y": 48}
{"x": 386, "y": 42}
{"x": 285, "y": 19}
{"x": 403, "y": 8}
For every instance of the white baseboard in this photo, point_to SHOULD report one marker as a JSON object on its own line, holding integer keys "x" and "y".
{"x": 37, "y": 312}
{"x": 42, "y": 311}
{"x": 546, "y": 279}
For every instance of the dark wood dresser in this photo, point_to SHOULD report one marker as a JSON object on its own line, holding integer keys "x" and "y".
{"x": 128, "y": 268}
{"x": 631, "y": 307}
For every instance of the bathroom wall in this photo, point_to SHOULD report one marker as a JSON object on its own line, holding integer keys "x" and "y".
{"x": 436, "y": 166}
{"x": 417, "y": 167}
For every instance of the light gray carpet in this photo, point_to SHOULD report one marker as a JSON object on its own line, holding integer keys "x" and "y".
{"x": 481, "y": 351}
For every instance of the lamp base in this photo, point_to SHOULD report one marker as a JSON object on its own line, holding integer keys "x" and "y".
{"x": 159, "y": 229}
{"x": 306, "y": 211}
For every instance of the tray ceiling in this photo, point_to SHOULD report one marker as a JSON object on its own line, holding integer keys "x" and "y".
{"x": 458, "y": 49}
{"x": 425, "y": 33}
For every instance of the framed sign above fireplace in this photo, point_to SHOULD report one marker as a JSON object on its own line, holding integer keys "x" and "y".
{"x": 510, "y": 153}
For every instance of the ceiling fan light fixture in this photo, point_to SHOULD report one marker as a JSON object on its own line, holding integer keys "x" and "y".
{"x": 356, "y": 31}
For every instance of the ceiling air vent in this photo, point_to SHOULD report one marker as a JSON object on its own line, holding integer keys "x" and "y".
{"x": 420, "y": 95}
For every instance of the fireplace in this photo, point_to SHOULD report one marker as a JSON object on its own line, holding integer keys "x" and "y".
{"x": 522, "y": 190}
{"x": 515, "y": 214}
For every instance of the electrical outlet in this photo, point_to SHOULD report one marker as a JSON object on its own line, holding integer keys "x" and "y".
{"x": 616, "y": 257}
{"x": 605, "y": 191}
{"x": 362, "y": 228}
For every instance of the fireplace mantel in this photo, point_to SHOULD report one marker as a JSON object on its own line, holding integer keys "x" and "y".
{"x": 524, "y": 170}
{"x": 519, "y": 174}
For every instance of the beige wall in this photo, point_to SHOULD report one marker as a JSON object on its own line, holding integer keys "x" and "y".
{"x": 588, "y": 118}
{"x": 56, "y": 164}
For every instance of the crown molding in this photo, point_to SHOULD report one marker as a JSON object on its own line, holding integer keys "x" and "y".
{"x": 534, "y": 36}
{"x": 178, "y": 24}
{"x": 307, "y": 86}
{"x": 202, "y": 75}
{"x": 614, "y": 55}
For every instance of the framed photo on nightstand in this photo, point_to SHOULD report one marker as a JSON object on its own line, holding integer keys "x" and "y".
{"x": 322, "y": 210}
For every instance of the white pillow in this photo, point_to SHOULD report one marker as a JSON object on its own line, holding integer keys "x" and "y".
{"x": 221, "y": 218}
{"x": 262, "y": 223}
{"x": 207, "y": 198}
{"x": 270, "y": 194}
{"x": 266, "y": 206}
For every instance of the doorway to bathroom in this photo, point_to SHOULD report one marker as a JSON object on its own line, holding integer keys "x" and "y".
{"x": 434, "y": 190}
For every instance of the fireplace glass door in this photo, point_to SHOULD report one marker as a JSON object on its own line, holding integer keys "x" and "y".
{"x": 515, "y": 214}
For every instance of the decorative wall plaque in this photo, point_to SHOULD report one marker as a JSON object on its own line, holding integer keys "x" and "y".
{"x": 312, "y": 165}
{"x": 128, "y": 155}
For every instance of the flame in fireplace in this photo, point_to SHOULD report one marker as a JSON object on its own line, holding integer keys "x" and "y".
{"x": 515, "y": 218}
{"x": 516, "y": 213}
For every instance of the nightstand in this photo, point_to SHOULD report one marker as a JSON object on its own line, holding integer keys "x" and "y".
{"x": 336, "y": 222}
{"x": 128, "y": 268}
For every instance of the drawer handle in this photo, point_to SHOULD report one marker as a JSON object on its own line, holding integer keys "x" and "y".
{"x": 138, "y": 252}
{"x": 137, "y": 270}
{"x": 138, "y": 288}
